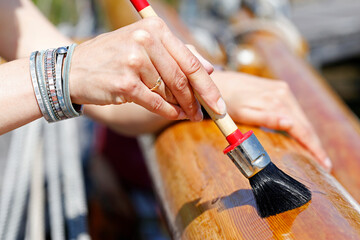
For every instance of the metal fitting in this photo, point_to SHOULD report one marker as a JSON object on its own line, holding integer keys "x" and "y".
{"x": 249, "y": 157}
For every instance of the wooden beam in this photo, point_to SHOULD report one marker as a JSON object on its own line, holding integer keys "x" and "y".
{"x": 204, "y": 196}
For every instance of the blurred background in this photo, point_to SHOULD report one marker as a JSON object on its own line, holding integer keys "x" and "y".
{"x": 331, "y": 29}
{"x": 120, "y": 198}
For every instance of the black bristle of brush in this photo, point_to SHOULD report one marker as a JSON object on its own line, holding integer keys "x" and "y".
{"x": 276, "y": 192}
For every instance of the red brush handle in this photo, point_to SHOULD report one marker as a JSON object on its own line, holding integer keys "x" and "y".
{"x": 139, "y": 4}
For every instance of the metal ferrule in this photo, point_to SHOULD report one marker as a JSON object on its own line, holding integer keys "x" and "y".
{"x": 250, "y": 156}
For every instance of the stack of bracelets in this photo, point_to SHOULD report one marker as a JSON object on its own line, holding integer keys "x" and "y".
{"x": 50, "y": 78}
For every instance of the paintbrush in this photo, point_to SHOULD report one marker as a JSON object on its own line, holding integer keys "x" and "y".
{"x": 274, "y": 191}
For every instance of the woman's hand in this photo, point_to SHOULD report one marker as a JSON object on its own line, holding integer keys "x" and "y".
{"x": 260, "y": 102}
{"x": 122, "y": 66}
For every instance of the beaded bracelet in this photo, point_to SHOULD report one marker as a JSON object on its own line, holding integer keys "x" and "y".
{"x": 52, "y": 85}
{"x": 49, "y": 79}
{"x": 49, "y": 72}
{"x": 49, "y": 115}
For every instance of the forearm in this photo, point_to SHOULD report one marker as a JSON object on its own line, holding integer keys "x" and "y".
{"x": 18, "y": 104}
{"x": 24, "y": 29}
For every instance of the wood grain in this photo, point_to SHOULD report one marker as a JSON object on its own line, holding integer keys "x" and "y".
{"x": 205, "y": 197}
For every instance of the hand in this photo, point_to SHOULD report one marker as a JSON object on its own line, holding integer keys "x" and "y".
{"x": 262, "y": 102}
{"x": 123, "y": 65}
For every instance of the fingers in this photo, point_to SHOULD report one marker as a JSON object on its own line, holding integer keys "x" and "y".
{"x": 180, "y": 69}
{"x": 173, "y": 77}
{"x": 150, "y": 77}
{"x": 177, "y": 82}
{"x": 259, "y": 117}
{"x": 156, "y": 104}
{"x": 195, "y": 73}
{"x": 132, "y": 89}
{"x": 306, "y": 135}
{"x": 308, "y": 138}
{"x": 206, "y": 64}
{"x": 296, "y": 125}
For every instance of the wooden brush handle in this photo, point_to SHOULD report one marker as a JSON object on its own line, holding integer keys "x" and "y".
{"x": 224, "y": 122}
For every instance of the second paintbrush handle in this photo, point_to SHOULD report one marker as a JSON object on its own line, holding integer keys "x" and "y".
{"x": 224, "y": 122}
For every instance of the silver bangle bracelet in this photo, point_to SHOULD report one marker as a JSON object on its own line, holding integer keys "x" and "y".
{"x": 35, "y": 83}
{"x": 54, "y": 95}
{"x": 61, "y": 52}
{"x": 68, "y": 103}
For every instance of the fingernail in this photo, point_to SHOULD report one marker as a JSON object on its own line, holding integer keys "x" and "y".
{"x": 285, "y": 123}
{"x": 328, "y": 164}
{"x": 199, "y": 116}
{"x": 205, "y": 62}
{"x": 221, "y": 106}
{"x": 182, "y": 115}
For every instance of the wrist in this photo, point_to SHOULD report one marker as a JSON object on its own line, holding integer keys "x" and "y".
{"x": 50, "y": 79}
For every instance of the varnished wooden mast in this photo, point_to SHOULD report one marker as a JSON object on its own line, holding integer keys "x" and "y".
{"x": 205, "y": 197}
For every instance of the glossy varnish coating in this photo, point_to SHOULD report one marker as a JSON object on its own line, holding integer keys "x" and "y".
{"x": 205, "y": 197}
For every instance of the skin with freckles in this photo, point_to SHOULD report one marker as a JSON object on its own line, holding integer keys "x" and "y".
{"x": 97, "y": 70}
